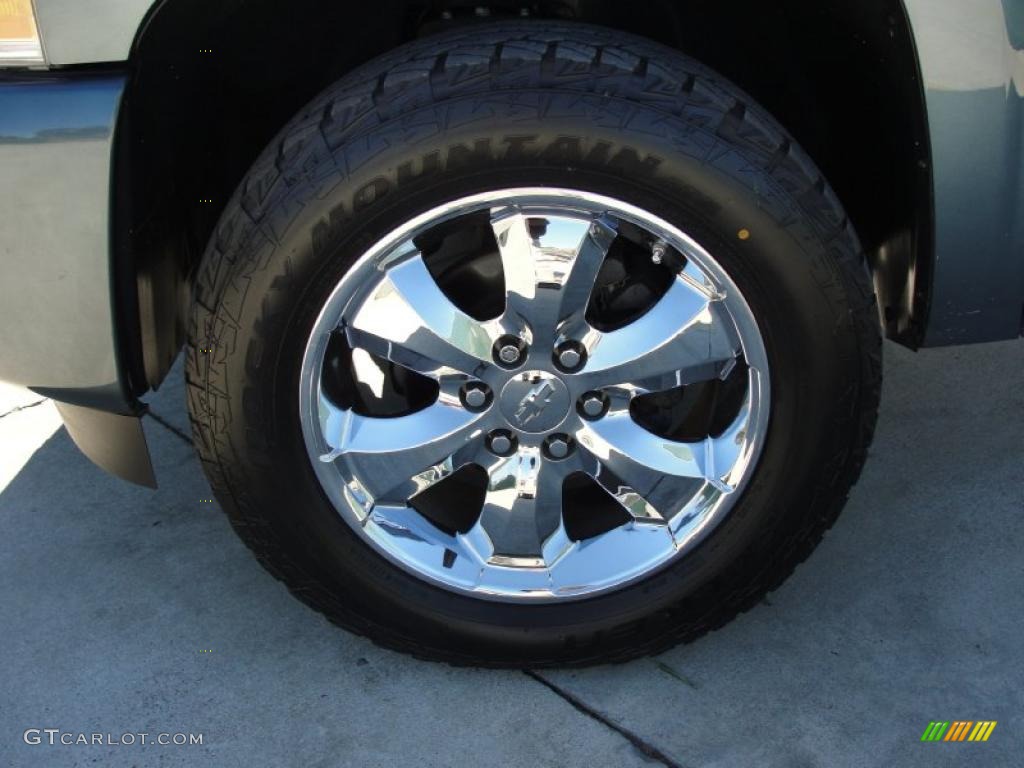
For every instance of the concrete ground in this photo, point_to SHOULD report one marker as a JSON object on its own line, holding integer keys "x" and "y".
{"x": 125, "y": 611}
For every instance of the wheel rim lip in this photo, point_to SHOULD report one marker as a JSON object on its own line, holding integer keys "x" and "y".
{"x": 690, "y": 526}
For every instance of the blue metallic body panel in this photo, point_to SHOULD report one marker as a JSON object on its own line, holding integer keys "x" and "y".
{"x": 58, "y": 323}
{"x": 58, "y": 330}
{"x": 972, "y": 59}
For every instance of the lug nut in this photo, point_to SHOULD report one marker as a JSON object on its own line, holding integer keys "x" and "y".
{"x": 570, "y": 356}
{"x": 500, "y": 443}
{"x": 509, "y": 354}
{"x": 592, "y": 405}
{"x": 558, "y": 446}
{"x": 509, "y": 351}
{"x": 475, "y": 396}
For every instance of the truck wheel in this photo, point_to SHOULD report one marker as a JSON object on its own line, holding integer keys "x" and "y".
{"x": 533, "y": 344}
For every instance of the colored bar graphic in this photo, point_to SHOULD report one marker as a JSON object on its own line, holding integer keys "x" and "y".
{"x": 958, "y": 730}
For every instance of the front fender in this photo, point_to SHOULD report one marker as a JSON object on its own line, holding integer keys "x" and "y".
{"x": 972, "y": 60}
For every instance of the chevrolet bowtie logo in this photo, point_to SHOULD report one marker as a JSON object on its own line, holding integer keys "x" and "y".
{"x": 533, "y": 405}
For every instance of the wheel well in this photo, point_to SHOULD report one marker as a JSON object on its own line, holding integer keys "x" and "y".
{"x": 211, "y": 84}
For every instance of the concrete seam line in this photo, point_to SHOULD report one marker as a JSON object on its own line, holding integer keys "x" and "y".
{"x": 24, "y": 407}
{"x": 170, "y": 427}
{"x": 648, "y": 750}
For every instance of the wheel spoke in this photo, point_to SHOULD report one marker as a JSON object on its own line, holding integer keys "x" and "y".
{"x": 550, "y": 265}
{"x": 631, "y": 500}
{"x": 403, "y": 529}
{"x": 729, "y": 452}
{"x": 632, "y": 547}
{"x": 523, "y": 506}
{"x": 408, "y": 320}
{"x": 682, "y": 339}
{"x": 647, "y": 475}
{"x": 393, "y": 459}
{"x": 579, "y": 284}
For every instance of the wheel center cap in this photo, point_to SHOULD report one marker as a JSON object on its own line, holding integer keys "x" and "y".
{"x": 535, "y": 401}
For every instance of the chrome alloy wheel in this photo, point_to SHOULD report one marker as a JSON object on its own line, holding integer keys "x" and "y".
{"x": 534, "y": 399}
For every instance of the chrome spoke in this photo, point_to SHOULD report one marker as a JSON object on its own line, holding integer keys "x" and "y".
{"x": 646, "y": 474}
{"x": 408, "y": 320}
{"x": 729, "y": 452}
{"x": 403, "y": 530}
{"x": 523, "y": 505}
{"x": 550, "y": 265}
{"x": 393, "y": 459}
{"x": 632, "y": 548}
{"x": 579, "y": 283}
{"x": 682, "y": 339}
{"x": 643, "y": 470}
{"x": 633, "y": 501}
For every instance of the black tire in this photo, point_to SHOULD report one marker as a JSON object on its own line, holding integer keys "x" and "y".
{"x": 531, "y": 104}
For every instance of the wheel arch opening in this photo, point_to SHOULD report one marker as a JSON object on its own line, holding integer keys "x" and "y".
{"x": 211, "y": 83}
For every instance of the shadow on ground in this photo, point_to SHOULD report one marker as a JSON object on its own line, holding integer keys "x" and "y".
{"x": 125, "y": 610}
